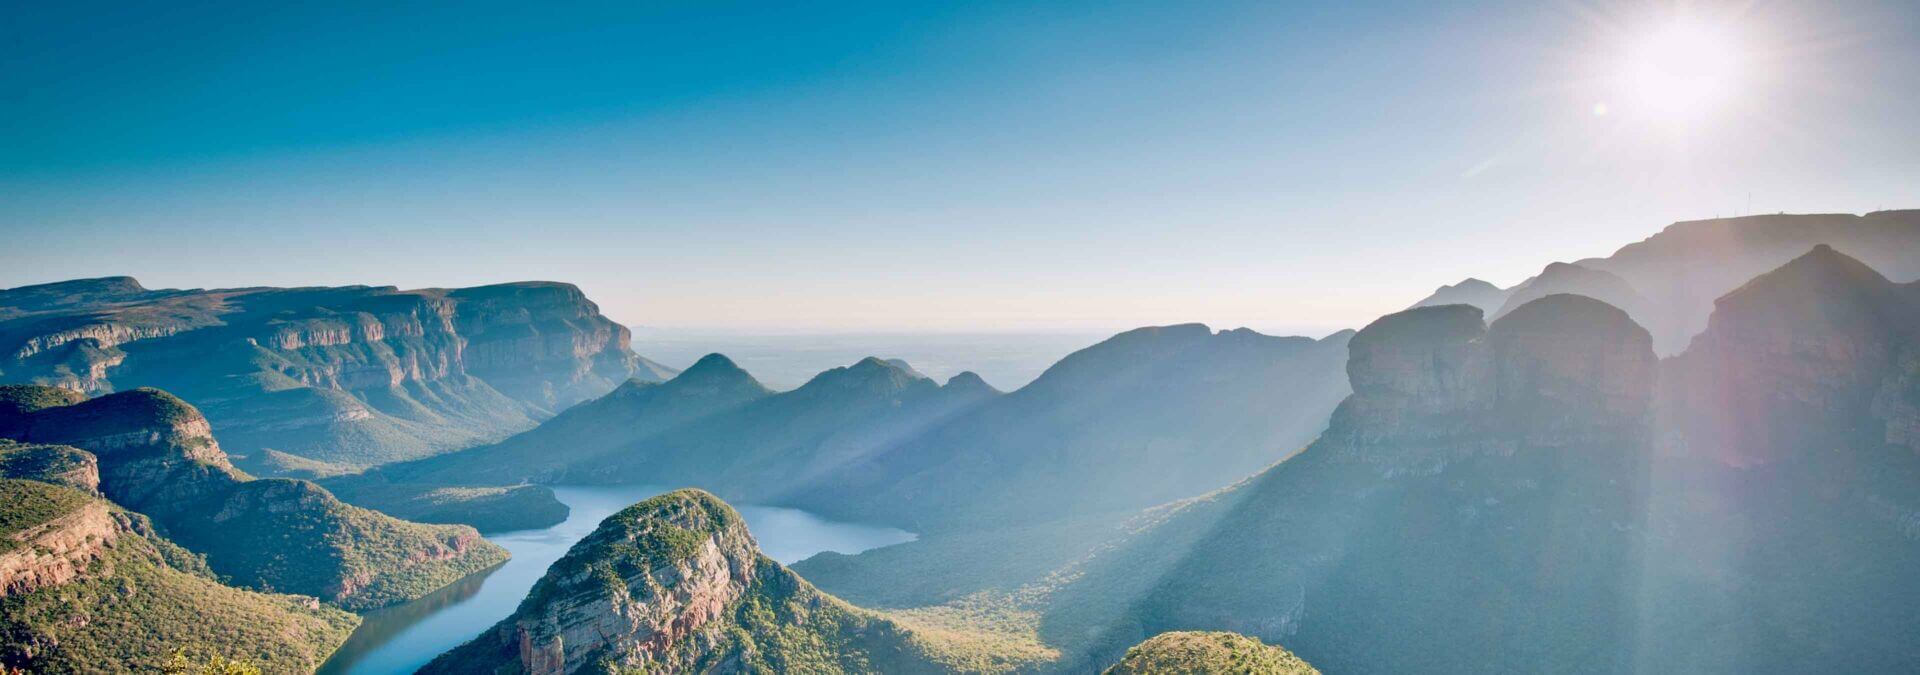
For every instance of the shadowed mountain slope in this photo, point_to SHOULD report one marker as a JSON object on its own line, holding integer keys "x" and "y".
{"x": 156, "y": 455}
{"x": 1147, "y": 416}
{"x": 713, "y": 426}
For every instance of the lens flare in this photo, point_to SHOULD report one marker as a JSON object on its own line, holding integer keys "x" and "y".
{"x": 1680, "y": 72}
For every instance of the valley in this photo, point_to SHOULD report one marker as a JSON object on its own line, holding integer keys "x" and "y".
{"x": 1526, "y": 452}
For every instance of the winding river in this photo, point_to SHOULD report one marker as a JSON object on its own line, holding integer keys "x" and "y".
{"x": 402, "y": 638}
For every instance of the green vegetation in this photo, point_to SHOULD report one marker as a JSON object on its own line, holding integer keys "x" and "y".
{"x": 180, "y": 664}
{"x": 49, "y": 463}
{"x": 773, "y": 622}
{"x": 1192, "y": 653}
{"x": 29, "y": 504}
{"x": 354, "y": 557}
{"x": 17, "y": 399}
{"x": 279, "y": 534}
{"x": 144, "y": 597}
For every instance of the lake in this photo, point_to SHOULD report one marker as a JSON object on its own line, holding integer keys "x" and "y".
{"x": 402, "y": 638}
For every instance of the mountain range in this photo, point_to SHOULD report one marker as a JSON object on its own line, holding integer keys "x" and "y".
{"x": 1570, "y": 502}
{"x": 1147, "y": 416}
{"x": 1700, "y": 454}
{"x": 1668, "y": 282}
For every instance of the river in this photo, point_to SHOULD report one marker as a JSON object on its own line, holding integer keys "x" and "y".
{"x": 402, "y": 638}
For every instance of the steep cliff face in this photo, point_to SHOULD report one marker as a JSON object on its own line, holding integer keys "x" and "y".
{"x": 1565, "y": 502}
{"x": 310, "y": 381}
{"x": 676, "y": 584}
{"x": 88, "y": 587}
{"x": 1797, "y": 356}
{"x": 50, "y": 536}
{"x": 1788, "y": 495}
{"x": 157, "y": 455}
{"x": 1434, "y": 384}
{"x": 546, "y": 344}
{"x": 1498, "y": 468}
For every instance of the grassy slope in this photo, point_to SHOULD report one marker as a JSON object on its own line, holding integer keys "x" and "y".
{"x": 1193, "y": 653}
{"x": 272, "y": 533}
{"x": 146, "y": 598}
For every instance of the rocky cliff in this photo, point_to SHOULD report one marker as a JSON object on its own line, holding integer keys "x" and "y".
{"x": 311, "y": 381}
{"x": 88, "y": 587}
{"x": 1800, "y": 355}
{"x": 1565, "y": 501}
{"x": 57, "y": 464}
{"x": 1498, "y": 468}
{"x": 156, "y": 454}
{"x": 676, "y": 584}
{"x": 1787, "y": 494}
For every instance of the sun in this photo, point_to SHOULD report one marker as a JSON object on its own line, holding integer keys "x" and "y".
{"x": 1681, "y": 71}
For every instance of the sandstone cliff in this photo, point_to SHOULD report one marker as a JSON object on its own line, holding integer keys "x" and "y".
{"x": 1498, "y": 468}
{"x": 88, "y": 587}
{"x": 312, "y": 381}
{"x": 57, "y": 464}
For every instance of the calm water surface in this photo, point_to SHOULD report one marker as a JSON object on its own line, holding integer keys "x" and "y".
{"x": 402, "y": 638}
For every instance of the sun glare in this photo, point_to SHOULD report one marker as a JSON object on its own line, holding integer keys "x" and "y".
{"x": 1679, "y": 72}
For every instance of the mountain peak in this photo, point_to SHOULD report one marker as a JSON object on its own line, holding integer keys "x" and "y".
{"x": 1469, "y": 291}
{"x": 870, "y": 372}
{"x": 1826, "y": 265}
{"x": 1562, "y": 277}
{"x": 968, "y": 382}
{"x": 905, "y": 367}
{"x": 712, "y": 365}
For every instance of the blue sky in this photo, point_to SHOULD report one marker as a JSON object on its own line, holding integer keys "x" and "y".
{"x": 896, "y": 166}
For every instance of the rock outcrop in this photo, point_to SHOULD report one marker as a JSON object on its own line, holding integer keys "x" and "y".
{"x": 1498, "y": 468}
{"x": 1435, "y": 384}
{"x": 1797, "y": 357}
{"x": 57, "y": 464}
{"x": 676, "y": 584}
{"x": 88, "y": 587}
{"x": 323, "y": 380}
{"x": 156, "y": 455}
{"x": 71, "y": 532}
{"x": 1569, "y": 503}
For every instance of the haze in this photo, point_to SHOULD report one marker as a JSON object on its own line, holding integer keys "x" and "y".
{"x": 998, "y": 166}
